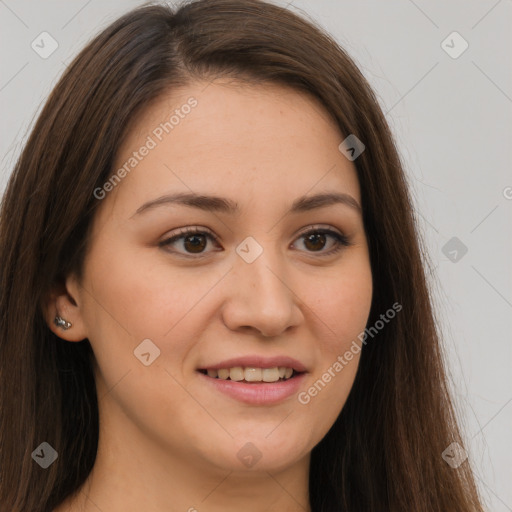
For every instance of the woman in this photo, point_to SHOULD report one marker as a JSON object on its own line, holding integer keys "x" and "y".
{"x": 213, "y": 294}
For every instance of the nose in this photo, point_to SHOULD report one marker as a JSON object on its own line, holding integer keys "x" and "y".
{"x": 261, "y": 297}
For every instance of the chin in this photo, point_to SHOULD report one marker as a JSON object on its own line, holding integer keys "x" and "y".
{"x": 255, "y": 453}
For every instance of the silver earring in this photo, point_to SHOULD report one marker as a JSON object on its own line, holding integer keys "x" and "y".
{"x": 60, "y": 322}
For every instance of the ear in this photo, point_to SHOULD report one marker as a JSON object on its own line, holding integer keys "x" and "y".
{"x": 66, "y": 300}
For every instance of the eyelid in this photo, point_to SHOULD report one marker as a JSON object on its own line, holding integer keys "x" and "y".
{"x": 318, "y": 227}
{"x": 191, "y": 230}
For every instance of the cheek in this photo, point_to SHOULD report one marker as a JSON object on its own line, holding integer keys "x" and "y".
{"x": 342, "y": 306}
{"x": 143, "y": 297}
{"x": 135, "y": 300}
{"x": 130, "y": 298}
{"x": 341, "y": 313}
{"x": 138, "y": 292}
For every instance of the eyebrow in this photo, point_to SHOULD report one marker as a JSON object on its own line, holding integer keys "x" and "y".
{"x": 223, "y": 205}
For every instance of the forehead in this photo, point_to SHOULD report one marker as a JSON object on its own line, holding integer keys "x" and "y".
{"x": 253, "y": 143}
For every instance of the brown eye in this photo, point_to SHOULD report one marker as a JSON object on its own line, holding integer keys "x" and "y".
{"x": 315, "y": 240}
{"x": 193, "y": 241}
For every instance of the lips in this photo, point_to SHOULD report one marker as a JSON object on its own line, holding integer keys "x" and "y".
{"x": 252, "y": 379}
{"x": 257, "y": 362}
{"x": 255, "y": 393}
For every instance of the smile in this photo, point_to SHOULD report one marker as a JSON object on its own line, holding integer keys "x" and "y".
{"x": 254, "y": 391}
{"x": 251, "y": 374}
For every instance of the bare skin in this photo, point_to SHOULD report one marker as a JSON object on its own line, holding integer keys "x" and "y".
{"x": 169, "y": 439}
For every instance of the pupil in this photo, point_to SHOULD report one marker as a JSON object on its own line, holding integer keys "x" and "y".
{"x": 315, "y": 236}
{"x": 197, "y": 246}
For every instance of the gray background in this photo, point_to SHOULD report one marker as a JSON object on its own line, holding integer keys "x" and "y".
{"x": 451, "y": 119}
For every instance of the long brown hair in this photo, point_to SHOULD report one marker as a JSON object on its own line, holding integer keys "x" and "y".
{"x": 383, "y": 453}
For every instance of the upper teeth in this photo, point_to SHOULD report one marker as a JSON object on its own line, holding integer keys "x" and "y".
{"x": 252, "y": 374}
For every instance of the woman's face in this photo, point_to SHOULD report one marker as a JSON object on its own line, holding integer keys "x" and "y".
{"x": 261, "y": 286}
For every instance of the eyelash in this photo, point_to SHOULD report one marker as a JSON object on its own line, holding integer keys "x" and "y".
{"x": 341, "y": 240}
